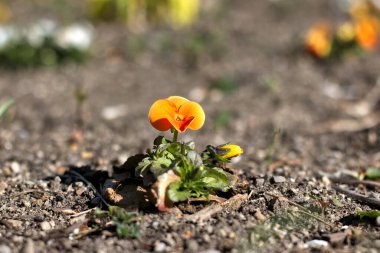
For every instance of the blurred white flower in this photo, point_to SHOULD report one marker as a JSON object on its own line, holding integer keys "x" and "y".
{"x": 37, "y": 33}
{"x": 75, "y": 36}
{"x": 7, "y": 34}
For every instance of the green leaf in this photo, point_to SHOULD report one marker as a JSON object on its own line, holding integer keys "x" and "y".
{"x": 143, "y": 166}
{"x": 373, "y": 173}
{"x": 216, "y": 178}
{"x": 122, "y": 219}
{"x": 174, "y": 148}
{"x": 369, "y": 214}
{"x": 177, "y": 192}
{"x": 4, "y": 107}
{"x": 195, "y": 158}
{"x": 100, "y": 214}
{"x": 160, "y": 166}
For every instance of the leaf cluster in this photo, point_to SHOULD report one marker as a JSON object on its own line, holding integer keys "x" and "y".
{"x": 200, "y": 174}
{"x": 342, "y": 49}
{"x": 122, "y": 219}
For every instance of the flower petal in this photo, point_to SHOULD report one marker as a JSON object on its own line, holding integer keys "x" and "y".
{"x": 159, "y": 114}
{"x": 230, "y": 150}
{"x": 193, "y": 109}
{"x": 177, "y": 100}
{"x": 367, "y": 32}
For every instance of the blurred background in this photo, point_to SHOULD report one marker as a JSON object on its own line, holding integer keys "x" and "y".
{"x": 83, "y": 74}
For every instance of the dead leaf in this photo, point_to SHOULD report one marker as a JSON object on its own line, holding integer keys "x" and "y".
{"x": 159, "y": 189}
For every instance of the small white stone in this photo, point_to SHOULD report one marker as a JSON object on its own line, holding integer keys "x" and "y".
{"x": 45, "y": 226}
{"x": 5, "y": 249}
{"x": 16, "y": 168}
{"x": 198, "y": 94}
{"x": 160, "y": 247}
{"x": 114, "y": 112}
{"x": 317, "y": 244}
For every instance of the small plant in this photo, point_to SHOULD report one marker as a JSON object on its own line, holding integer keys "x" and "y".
{"x": 80, "y": 98}
{"x": 123, "y": 221}
{"x": 5, "y": 106}
{"x": 174, "y": 171}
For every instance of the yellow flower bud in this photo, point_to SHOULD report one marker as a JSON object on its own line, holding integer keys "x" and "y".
{"x": 229, "y": 150}
{"x": 346, "y": 32}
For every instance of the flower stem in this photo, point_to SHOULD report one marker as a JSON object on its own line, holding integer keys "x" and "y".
{"x": 175, "y": 135}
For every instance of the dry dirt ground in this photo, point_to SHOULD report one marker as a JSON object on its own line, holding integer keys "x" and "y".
{"x": 275, "y": 88}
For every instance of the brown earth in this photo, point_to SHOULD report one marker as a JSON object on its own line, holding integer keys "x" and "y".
{"x": 276, "y": 86}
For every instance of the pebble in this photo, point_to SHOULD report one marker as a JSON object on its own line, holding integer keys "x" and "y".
{"x": 259, "y": 215}
{"x": 192, "y": 246}
{"x": 159, "y": 246}
{"x": 47, "y": 225}
{"x": 378, "y": 221}
{"x": 242, "y": 217}
{"x": 5, "y": 249}
{"x": 278, "y": 179}
{"x": 15, "y": 167}
{"x": 155, "y": 224}
{"x": 210, "y": 251}
{"x": 198, "y": 94}
{"x": 317, "y": 244}
{"x": 3, "y": 186}
{"x": 169, "y": 240}
{"x": 28, "y": 246}
{"x": 279, "y": 171}
{"x": 16, "y": 224}
{"x": 206, "y": 238}
{"x": 222, "y": 233}
{"x": 113, "y": 112}
{"x": 55, "y": 185}
{"x": 259, "y": 181}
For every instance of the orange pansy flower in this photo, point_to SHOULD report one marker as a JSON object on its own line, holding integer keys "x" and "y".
{"x": 177, "y": 112}
{"x": 367, "y": 32}
{"x": 318, "y": 40}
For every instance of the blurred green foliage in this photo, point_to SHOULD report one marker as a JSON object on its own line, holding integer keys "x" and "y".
{"x": 5, "y": 106}
{"x": 226, "y": 84}
{"x": 124, "y": 221}
{"x": 22, "y": 54}
{"x": 223, "y": 119}
{"x": 43, "y": 44}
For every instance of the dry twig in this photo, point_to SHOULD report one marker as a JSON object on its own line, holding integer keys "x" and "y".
{"x": 233, "y": 203}
{"x": 354, "y": 182}
{"x": 359, "y": 197}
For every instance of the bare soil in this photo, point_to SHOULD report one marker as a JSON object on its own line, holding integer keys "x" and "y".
{"x": 277, "y": 87}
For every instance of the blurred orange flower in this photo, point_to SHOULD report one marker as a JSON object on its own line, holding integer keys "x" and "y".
{"x": 367, "y": 32}
{"x": 318, "y": 40}
{"x": 177, "y": 112}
